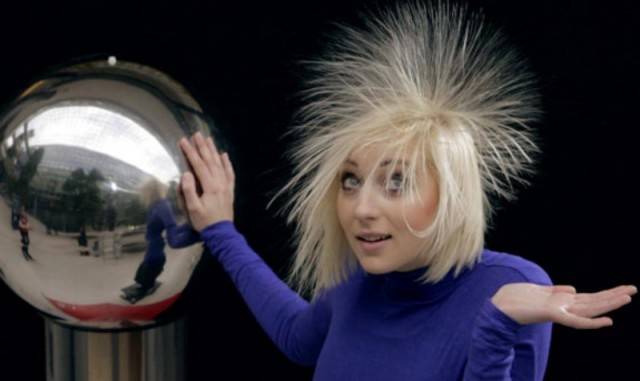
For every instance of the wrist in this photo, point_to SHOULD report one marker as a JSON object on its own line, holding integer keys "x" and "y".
{"x": 215, "y": 225}
{"x": 506, "y": 308}
{"x": 496, "y": 318}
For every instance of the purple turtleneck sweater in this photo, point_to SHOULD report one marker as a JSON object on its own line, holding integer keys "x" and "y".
{"x": 390, "y": 327}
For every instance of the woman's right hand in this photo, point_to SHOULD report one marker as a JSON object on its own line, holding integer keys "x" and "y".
{"x": 528, "y": 303}
{"x": 216, "y": 177}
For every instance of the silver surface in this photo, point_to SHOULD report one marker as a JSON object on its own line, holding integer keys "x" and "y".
{"x": 89, "y": 156}
{"x": 155, "y": 354}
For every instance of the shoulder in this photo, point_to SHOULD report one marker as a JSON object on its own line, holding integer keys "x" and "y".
{"x": 162, "y": 203}
{"x": 509, "y": 268}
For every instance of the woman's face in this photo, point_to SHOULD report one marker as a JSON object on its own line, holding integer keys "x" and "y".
{"x": 371, "y": 213}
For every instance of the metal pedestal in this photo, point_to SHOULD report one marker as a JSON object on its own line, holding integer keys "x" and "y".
{"x": 154, "y": 354}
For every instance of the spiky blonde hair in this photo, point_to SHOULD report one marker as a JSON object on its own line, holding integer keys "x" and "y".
{"x": 436, "y": 88}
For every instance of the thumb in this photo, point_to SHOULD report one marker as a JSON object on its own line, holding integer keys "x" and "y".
{"x": 564, "y": 288}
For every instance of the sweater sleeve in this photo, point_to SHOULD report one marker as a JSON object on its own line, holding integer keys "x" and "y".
{"x": 297, "y": 327}
{"x": 177, "y": 236}
{"x": 504, "y": 350}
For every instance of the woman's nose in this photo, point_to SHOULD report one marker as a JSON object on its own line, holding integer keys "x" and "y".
{"x": 366, "y": 206}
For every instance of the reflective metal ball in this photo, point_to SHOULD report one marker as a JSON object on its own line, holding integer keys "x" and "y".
{"x": 92, "y": 227}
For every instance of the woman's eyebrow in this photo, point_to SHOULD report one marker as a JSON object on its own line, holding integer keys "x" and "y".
{"x": 389, "y": 161}
{"x": 383, "y": 164}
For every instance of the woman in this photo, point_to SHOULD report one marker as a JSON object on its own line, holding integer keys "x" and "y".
{"x": 159, "y": 219}
{"x": 411, "y": 125}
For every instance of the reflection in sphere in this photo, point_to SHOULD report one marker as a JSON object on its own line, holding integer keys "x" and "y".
{"x": 92, "y": 227}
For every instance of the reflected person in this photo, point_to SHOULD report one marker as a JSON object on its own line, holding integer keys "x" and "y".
{"x": 24, "y": 227}
{"x": 159, "y": 218}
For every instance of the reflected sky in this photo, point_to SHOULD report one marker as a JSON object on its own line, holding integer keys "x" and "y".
{"x": 105, "y": 131}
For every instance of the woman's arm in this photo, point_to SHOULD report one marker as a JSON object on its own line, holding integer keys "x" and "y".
{"x": 177, "y": 236}
{"x": 297, "y": 327}
{"x": 503, "y": 349}
{"x": 511, "y": 336}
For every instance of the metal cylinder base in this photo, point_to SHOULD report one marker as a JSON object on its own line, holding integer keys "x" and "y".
{"x": 153, "y": 354}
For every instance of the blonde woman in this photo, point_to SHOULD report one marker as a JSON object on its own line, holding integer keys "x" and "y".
{"x": 159, "y": 219}
{"x": 411, "y": 123}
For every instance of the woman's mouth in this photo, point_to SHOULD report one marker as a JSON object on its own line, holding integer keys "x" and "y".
{"x": 371, "y": 242}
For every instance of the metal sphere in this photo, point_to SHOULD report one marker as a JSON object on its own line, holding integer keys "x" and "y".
{"x": 92, "y": 227}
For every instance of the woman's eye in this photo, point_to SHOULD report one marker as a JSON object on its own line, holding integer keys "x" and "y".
{"x": 349, "y": 181}
{"x": 395, "y": 184}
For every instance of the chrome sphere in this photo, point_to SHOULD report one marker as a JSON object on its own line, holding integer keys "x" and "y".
{"x": 92, "y": 227}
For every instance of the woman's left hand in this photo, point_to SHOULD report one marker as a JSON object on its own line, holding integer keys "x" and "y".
{"x": 529, "y": 303}
{"x": 217, "y": 178}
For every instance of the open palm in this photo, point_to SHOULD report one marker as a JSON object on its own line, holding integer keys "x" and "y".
{"x": 529, "y": 303}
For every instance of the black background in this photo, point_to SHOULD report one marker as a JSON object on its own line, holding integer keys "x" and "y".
{"x": 241, "y": 61}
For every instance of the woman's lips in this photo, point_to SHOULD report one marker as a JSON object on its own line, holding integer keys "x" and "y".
{"x": 372, "y": 246}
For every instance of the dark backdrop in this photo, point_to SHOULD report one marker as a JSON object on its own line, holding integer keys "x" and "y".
{"x": 240, "y": 60}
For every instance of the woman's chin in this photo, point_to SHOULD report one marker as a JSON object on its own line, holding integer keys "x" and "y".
{"x": 374, "y": 265}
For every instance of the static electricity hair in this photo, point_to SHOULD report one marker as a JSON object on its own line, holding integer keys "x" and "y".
{"x": 435, "y": 87}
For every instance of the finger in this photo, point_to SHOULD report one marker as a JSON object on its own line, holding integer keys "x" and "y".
{"x": 564, "y": 288}
{"x": 606, "y": 294}
{"x": 600, "y": 307}
{"x": 199, "y": 167}
{"x": 627, "y": 290}
{"x": 209, "y": 154}
{"x": 195, "y": 165}
{"x": 228, "y": 168}
{"x": 570, "y": 320}
{"x": 212, "y": 147}
{"x": 209, "y": 144}
{"x": 205, "y": 154}
{"x": 190, "y": 194}
{"x": 631, "y": 289}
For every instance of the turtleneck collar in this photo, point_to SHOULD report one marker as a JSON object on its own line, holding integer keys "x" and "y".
{"x": 405, "y": 286}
